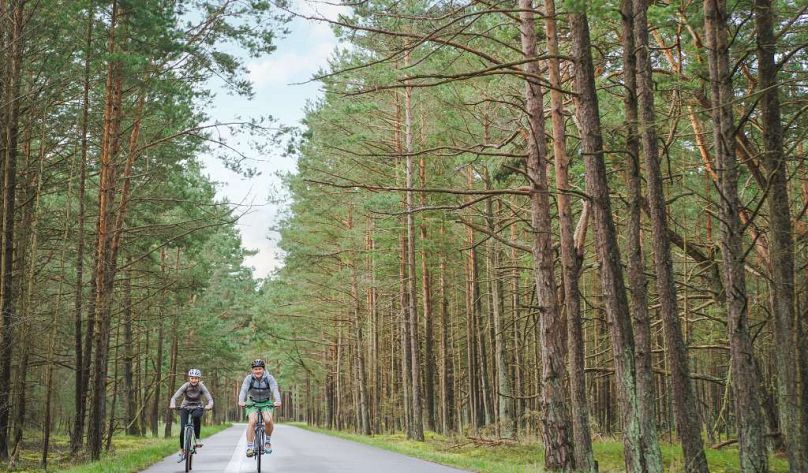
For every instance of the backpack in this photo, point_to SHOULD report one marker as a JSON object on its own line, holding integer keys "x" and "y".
{"x": 252, "y": 386}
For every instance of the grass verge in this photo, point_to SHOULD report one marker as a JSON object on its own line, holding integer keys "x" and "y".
{"x": 133, "y": 454}
{"x": 128, "y": 454}
{"x": 526, "y": 457}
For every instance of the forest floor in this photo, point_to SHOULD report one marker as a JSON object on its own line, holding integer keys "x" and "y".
{"x": 492, "y": 456}
{"x": 127, "y": 453}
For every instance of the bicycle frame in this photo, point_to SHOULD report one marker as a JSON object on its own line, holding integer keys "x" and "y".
{"x": 189, "y": 438}
{"x": 260, "y": 433}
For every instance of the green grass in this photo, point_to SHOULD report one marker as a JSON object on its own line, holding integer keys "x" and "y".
{"x": 527, "y": 457}
{"x": 128, "y": 454}
{"x": 133, "y": 454}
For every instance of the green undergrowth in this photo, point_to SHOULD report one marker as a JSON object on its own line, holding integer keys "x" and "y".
{"x": 128, "y": 454}
{"x": 526, "y": 457}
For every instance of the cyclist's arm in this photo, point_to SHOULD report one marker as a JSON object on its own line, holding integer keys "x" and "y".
{"x": 207, "y": 395}
{"x": 177, "y": 395}
{"x": 245, "y": 386}
{"x": 274, "y": 386}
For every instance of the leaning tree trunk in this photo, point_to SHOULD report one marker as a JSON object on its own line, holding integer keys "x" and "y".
{"x": 557, "y": 431}
{"x": 570, "y": 258}
{"x": 646, "y": 398}
{"x": 781, "y": 242}
{"x": 608, "y": 251}
{"x": 684, "y": 400}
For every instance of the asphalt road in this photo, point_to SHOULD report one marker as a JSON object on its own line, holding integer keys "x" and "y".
{"x": 297, "y": 450}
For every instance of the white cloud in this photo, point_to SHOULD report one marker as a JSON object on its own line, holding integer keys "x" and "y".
{"x": 291, "y": 67}
{"x": 327, "y": 10}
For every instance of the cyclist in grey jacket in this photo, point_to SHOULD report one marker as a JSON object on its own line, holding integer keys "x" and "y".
{"x": 192, "y": 391}
{"x": 259, "y": 393}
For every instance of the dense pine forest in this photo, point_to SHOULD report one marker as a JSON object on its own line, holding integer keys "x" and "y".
{"x": 545, "y": 222}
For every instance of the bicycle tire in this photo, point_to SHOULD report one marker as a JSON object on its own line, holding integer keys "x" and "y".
{"x": 260, "y": 438}
{"x": 189, "y": 434}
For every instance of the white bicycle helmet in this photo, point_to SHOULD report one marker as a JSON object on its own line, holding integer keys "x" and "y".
{"x": 195, "y": 372}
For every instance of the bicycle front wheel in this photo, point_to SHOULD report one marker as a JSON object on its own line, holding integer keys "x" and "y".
{"x": 189, "y": 442}
{"x": 260, "y": 449}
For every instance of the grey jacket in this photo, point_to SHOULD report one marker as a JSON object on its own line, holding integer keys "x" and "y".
{"x": 260, "y": 389}
{"x": 193, "y": 395}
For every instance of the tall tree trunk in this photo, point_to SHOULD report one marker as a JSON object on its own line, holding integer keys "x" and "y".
{"x": 415, "y": 349}
{"x": 651, "y": 459}
{"x": 473, "y": 371}
{"x": 557, "y": 431}
{"x": 358, "y": 322}
{"x": 426, "y": 283}
{"x": 11, "y": 112}
{"x": 27, "y": 261}
{"x": 172, "y": 364}
{"x": 115, "y": 359}
{"x": 82, "y": 369}
{"x": 129, "y": 395}
{"x": 158, "y": 362}
{"x": 684, "y": 401}
{"x": 780, "y": 240}
{"x": 404, "y": 329}
{"x": 608, "y": 251}
{"x": 570, "y": 258}
{"x": 446, "y": 372}
{"x": 504, "y": 389}
{"x": 104, "y": 272}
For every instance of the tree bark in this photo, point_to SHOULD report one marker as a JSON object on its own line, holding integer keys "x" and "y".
{"x": 570, "y": 259}
{"x": 104, "y": 272}
{"x": 504, "y": 389}
{"x": 129, "y": 394}
{"x": 557, "y": 431}
{"x": 638, "y": 282}
{"x": 426, "y": 288}
{"x": 82, "y": 369}
{"x": 781, "y": 243}
{"x": 11, "y": 114}
{"x": 608, "y": 251}
{"x": 684, "y": 401}
{"x": 415, "y": 349}
{"x": 446, "y": 372}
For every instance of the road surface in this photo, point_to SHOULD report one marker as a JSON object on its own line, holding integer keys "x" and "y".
{"x": 296, "y": 450}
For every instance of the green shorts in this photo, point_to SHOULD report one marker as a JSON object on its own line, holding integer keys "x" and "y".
{"x": 263, "y": 406}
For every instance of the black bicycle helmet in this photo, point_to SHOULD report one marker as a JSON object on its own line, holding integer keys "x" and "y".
{"x": 258, "y": 363}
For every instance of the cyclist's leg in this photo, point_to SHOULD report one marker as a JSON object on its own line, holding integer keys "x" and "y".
{"x": 183, "y": 420}
{"x": 198, "y": 413}
{"x": 252, "y": 419}
{"x": 268, "y": 427}
{"x": 269, "y": 424}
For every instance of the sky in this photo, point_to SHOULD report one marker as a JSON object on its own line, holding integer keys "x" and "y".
{"x": 276, "y": 82}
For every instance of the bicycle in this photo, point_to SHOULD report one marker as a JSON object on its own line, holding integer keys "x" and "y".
{"x": 189, "y": 438}
{"x": 260, "y": 438}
